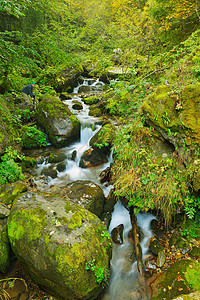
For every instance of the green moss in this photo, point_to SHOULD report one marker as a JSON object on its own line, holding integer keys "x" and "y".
{"x": 192, "y": 276}
{"x": 174, "y": 281}
{"x": 11, "y": 191}
{"x": 96, "y": 112}
{"x": 27, "y": 223}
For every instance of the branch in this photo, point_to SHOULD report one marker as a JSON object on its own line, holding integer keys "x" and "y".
{"x": 159, "y": 70}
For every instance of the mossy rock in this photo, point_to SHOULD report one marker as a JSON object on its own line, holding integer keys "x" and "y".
{"x": 155, "y": 247}
{"x": 11, "y": 191}
{"x": 95, "y": 112}
{"x": 91, "y": 100}
{"x": 54, "y": 239}
{"x": 57, "y": 157}
{"x": 179, "y": 124}
{"x": 175, "y": 281}
{"x": 195, "y": 252}
{"x": 87, "y": 194}
{"x": 77, "y": 105}
{"x": 4, "y": 250}
{"x": 60, "y": 124}
{"x": 92, "y": 158}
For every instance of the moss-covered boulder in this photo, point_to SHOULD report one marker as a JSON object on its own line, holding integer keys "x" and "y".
{"x": 60, "y": 124}
{"x": 177, "y": 280}
{"x": 95, "y": 112}
{"x": 175, "y": 116}
{"x": 56, "y": 157}
{"x": 11, "y": 191}
{"x": 77, "y": 105}
{"x": 57, "y": 240}
{"x": 87, "y": 194}
{"x": 4, "y": 249}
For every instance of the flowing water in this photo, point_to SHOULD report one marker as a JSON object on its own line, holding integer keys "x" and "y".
{"x": 124, "y": 282}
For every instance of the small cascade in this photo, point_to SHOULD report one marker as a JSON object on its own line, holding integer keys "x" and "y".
{"x": 124, "y": 283}
{"x": 89, "y": 128}
{"x": 89, "y": 85}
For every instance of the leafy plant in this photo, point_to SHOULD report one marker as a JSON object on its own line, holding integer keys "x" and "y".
{"x": 9, "y": 169}
{"x": 32, "y": 137}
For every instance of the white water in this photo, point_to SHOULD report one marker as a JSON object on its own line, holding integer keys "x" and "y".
{"x": 124, "y": 282}
{"x": 89, "y": 128}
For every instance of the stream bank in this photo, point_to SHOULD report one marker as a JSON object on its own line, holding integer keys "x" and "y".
{"x": 71, "y": 171}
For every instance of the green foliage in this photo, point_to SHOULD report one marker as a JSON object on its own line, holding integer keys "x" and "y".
{"x": 9, "y": 169}
{"x": 100, "y": 272}
{"x": 32, "y": 137}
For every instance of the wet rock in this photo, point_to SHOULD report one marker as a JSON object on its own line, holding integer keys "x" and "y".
{"x": 55, "y": 258}
{"x": 60, "y": 124}
{"x": 105, "y": 175}
{"x": 155, "y": 247}
{"x": 49, "y": 172}
{"x": 77, "y": 105}
{"x": 56, "y": 157}
{"x": 87, "y": 194}
{"x": 65, "y": 96}
{"x": 61, "y": 166}
{"x": 161, "y": 259}
{"x": 154, "y": 224}
{"x": 91, "y": 158}
{"x": 73, "y": 156}
{"x": 117, "y": 234}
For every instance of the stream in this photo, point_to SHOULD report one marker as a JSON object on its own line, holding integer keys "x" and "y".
{"x": 124, "y": 282}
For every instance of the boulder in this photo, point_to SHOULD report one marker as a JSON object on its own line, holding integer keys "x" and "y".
{"x": 176, "y": 280}
{"x": 10, "y": 191}
{"x": 60, "y": 124}
{"x": 177, "y": 118}
{"x": 57, "y": 157}
{"x": 55, "y": 239}
{"x": 92, "y": 158}
{"x": 117, "y": 234}
{"x": 4, "y": 249}
{"x": 155, "y": 247}
{"x": 77, "y": 105}
{"x": 87, "y": 194}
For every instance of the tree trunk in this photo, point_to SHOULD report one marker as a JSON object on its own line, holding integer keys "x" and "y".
{"x": 138, "y": 254}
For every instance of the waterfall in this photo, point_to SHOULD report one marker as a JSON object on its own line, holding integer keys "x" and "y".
{"x": 124, "y": 283}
